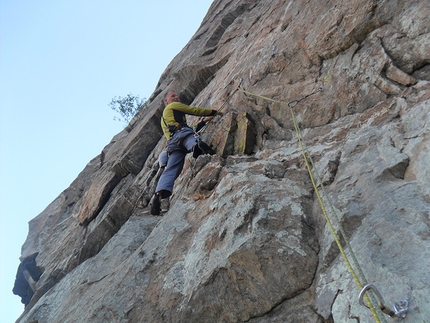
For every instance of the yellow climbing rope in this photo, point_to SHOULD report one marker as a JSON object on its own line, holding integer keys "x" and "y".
{"x": 329, "y": 222}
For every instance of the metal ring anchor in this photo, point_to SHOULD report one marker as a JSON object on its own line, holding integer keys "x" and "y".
{"x": 400, "y": 307}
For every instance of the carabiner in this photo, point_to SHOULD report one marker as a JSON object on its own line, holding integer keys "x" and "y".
{"x": 400, "y": 307}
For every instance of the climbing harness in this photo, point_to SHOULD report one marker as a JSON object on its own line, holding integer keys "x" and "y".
{"x": 400, "y": 307}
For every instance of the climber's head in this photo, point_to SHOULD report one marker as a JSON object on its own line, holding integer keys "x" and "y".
{"x": 170, "y": 97}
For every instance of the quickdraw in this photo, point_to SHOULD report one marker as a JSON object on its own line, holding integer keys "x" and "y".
{"x": 400, "y": 307}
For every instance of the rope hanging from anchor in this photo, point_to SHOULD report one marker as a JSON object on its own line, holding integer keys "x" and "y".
{"x": 308, "y": 161}
{"x": 401, "y": 307}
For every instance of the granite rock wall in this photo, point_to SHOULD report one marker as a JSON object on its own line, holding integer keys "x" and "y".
{"x": 244, "y": 238}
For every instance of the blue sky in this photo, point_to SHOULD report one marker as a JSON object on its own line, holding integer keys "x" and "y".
{"x": 61, "y": 63}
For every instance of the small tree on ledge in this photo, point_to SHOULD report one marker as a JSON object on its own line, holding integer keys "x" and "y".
{"x": 127, "y": 106}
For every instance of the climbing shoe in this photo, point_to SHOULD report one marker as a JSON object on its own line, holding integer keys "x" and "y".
{"x": 197, "y": 151}
{"x": 205, "y": 148}
{"x": 156, "y": 204}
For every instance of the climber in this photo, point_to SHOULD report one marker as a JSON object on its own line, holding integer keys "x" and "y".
{"x": 181, "y": 140}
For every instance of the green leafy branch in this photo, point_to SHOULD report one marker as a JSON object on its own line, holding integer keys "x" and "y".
{"x": 127, "y": 106}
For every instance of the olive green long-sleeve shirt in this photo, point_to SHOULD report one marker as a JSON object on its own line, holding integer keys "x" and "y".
{"x": 175, "y": 114}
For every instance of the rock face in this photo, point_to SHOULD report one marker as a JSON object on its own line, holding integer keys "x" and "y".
{"x": 245, "y": 238}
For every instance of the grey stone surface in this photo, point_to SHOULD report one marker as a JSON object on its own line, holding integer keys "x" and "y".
{"x": 244, "y": 238}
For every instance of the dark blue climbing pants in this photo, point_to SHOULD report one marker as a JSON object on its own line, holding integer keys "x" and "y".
{"x": 181, "y": 143}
